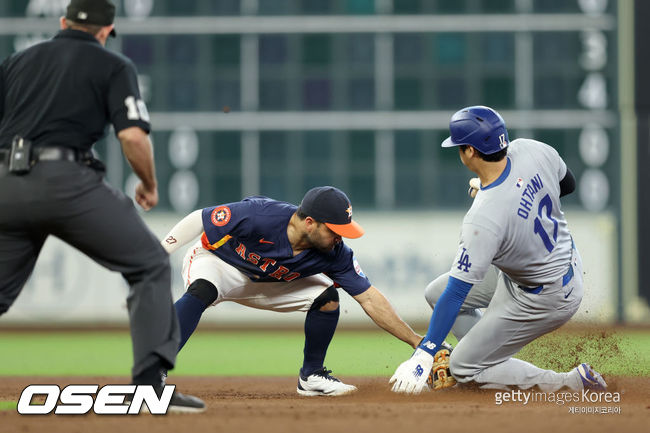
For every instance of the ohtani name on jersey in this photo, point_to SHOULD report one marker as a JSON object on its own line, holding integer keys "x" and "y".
{"x": 280, "y": 273}
{"x": 528, "y": 196}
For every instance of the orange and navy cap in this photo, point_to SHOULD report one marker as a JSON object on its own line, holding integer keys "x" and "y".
{"x": 331, "y": 206}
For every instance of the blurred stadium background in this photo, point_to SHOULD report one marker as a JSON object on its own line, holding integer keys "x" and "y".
{"x": 274, "y": 97}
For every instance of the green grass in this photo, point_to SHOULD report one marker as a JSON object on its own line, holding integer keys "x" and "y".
{"x": 622, "y": 353}
{"x": 279, "y": 353}
{"x": 7, "y": 405}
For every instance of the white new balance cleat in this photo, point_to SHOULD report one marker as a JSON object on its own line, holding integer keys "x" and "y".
{"x": 322, "y": 383}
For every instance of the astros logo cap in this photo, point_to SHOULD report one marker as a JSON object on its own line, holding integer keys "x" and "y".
{"x": 331, "y": 206}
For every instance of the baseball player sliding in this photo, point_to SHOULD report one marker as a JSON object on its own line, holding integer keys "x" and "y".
{"x": 516, "y": 258}
{"x": 272, "y": 255}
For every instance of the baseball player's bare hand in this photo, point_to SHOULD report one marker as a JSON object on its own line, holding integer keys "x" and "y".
{"x": 474, "y": 186}
{"x": 146, "y": 197}
{"x": 411, "y": 376}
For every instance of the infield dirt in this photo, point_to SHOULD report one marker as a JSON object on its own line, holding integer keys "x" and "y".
{"x": 270, "y": 405}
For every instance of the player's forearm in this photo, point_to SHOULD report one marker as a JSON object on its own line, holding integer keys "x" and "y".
{"x": 184, "y": 232}
{"x": 138, "y": 150}
{"x": 377, "y": 307}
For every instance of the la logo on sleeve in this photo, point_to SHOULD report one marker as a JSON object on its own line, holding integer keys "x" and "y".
{"x": 464, "y": 263}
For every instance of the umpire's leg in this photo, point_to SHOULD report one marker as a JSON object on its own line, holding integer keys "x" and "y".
{"x": 104, "y": 224}
{"x": 20, "y": 243}
{"x": 18, "y": 253}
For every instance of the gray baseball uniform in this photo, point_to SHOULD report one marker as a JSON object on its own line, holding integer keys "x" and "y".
{"x": 516, "y": 249}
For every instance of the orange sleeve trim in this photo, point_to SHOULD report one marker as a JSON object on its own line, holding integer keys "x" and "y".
{"x": 208, "y": 246}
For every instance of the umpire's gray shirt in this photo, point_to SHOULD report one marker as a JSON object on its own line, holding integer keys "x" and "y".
{"x": 516, "y": 222}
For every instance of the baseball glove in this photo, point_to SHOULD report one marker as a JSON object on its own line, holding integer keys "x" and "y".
{"x": 440, "y": 376}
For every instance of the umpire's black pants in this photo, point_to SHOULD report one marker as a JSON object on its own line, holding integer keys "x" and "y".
{"x": 72, "y": 202}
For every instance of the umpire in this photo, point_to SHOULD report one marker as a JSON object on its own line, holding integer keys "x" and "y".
{"x": 56, "y": 100}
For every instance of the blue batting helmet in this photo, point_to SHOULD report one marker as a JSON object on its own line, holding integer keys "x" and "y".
{"x": 480, "y": 127}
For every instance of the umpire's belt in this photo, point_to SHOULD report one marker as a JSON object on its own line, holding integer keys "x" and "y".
{"x": 52, "y": 154}
{"x": 565, "y": 280}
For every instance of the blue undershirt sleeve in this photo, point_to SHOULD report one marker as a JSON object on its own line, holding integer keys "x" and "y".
{"x": 444, "y": 314}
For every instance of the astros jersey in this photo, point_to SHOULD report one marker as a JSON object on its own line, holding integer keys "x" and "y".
{"x": 516, "y": 222}
{"x": 251, "y": 235}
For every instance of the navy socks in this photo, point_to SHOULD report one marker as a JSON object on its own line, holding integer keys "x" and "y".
{"x": 319, "y": 330}
{"x": 189, "y": 309}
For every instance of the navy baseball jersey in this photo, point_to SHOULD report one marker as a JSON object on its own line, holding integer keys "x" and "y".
{"x": 251, "y": 235}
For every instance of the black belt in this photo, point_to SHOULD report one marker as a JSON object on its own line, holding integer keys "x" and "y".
{"x": 52, "y": 154}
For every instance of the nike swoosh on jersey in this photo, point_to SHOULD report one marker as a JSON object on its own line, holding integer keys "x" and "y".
{"x": 262, "y": 241}
{"x": 567, "y": 295}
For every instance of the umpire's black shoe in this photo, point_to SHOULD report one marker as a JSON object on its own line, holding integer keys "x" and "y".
{"x": 181, "y": 403}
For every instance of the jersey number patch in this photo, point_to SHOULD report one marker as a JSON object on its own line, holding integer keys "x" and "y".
{"x": 463, "y": 262}
{"x": 546, "y": 204}
{"x": 136, "y": 109}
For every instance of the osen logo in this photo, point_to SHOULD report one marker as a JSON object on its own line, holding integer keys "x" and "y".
{"x": 107, "y": 400}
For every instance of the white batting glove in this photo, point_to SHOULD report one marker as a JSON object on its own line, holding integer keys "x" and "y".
{"x": 474, "y": 186}
{"x": 411, "y": 376}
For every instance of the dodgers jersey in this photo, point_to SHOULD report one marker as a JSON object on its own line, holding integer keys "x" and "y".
{"x": 251, "y": 235}
{"x": 516, "y": 222}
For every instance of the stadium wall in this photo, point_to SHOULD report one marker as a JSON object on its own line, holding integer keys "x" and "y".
{"x": 400, "y": 253}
